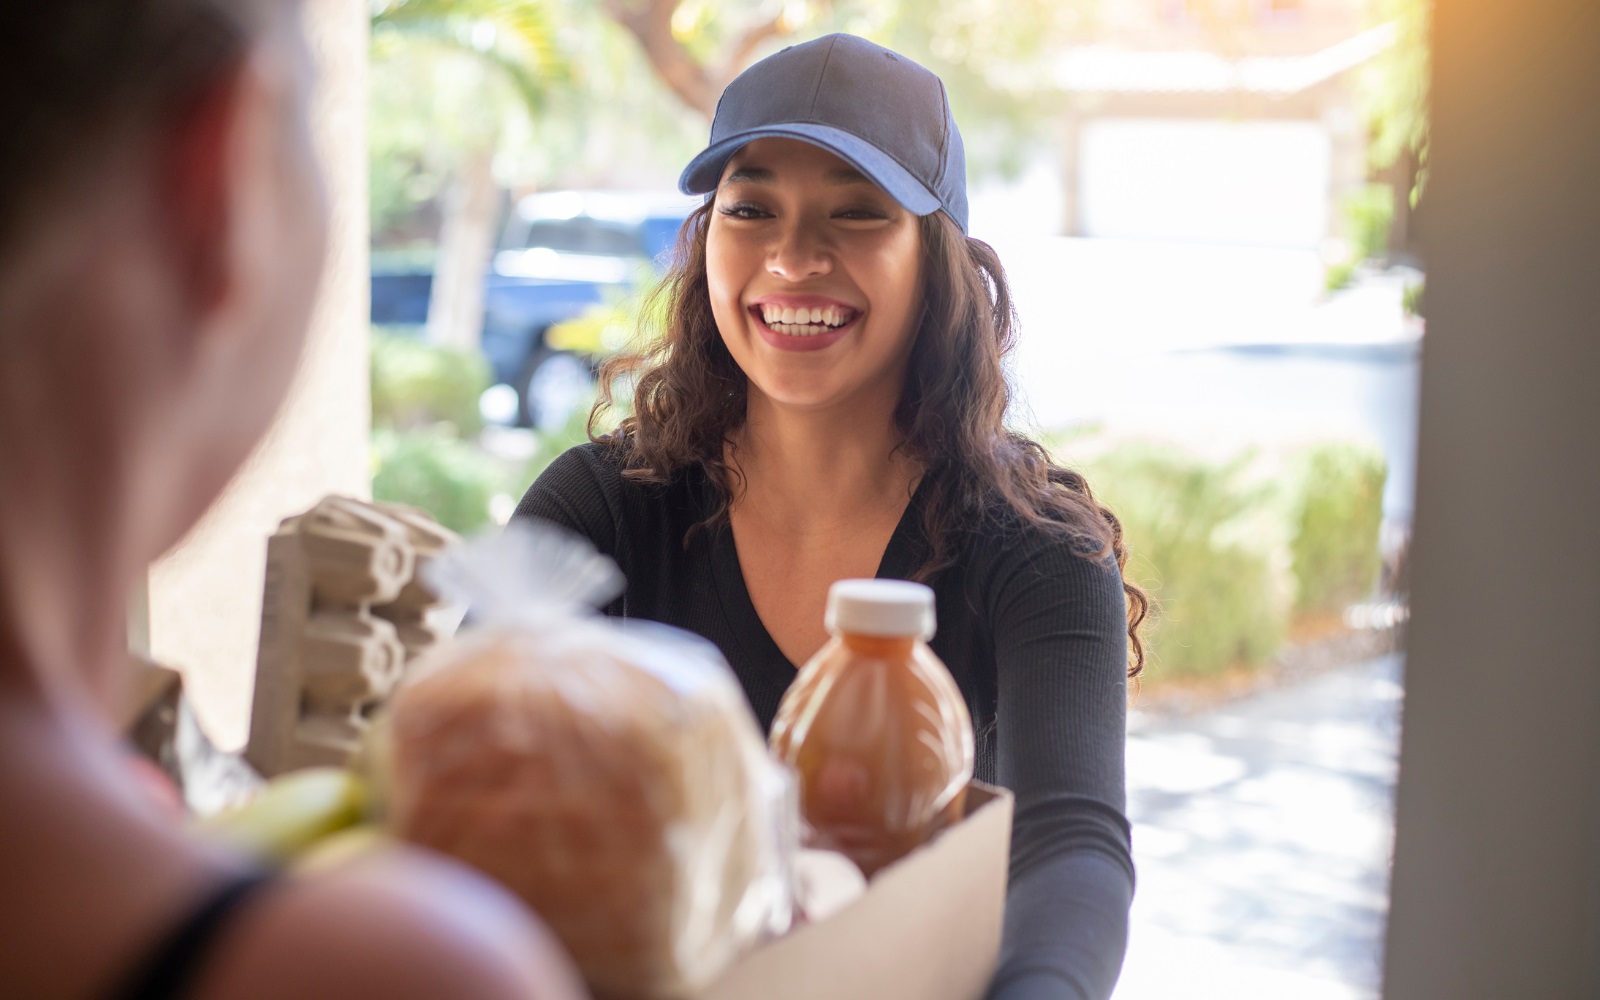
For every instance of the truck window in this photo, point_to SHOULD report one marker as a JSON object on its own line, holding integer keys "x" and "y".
{"x": 582, "y": 235}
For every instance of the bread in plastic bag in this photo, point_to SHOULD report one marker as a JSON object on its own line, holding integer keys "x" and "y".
{"x": 613, "y": 776}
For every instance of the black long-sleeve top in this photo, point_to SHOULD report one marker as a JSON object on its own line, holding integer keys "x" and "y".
{"x": 1035, "y": 635}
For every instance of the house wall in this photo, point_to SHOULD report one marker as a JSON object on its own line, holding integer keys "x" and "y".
{"x": 1239, "y": 27}
{"x": 1330, "y": 108}
{"x": 1233, "y": 29}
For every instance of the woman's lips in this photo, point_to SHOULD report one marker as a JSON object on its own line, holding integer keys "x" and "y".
{"x": 801, "y": 342}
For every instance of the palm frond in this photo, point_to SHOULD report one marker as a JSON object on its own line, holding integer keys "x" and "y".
{"x": 517, "y": 37}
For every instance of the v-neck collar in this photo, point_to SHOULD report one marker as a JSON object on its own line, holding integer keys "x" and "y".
{"x": 901, "y": 557}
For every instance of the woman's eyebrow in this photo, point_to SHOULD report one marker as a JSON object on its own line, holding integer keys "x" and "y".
{"x": 756, "y": 175}
{"x": 761, "y": 175}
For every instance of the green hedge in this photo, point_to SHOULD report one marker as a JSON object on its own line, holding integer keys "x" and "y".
{"x": 416, "y": 384}
{"x": 451, "y": 479}
{"x": 425, "y": 426}
{"x": 1231, "y": 550}
{"x": 1335, "y": 514}
{"x": 424, "y": 418}
{"x": 1201, "y": 546}
{"x": 1368, "y": 215}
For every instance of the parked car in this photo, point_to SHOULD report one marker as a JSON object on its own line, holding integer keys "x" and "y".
{"x": 559, "y": 254}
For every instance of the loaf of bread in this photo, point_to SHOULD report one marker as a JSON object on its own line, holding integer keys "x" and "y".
{"x": 615, "y": 779}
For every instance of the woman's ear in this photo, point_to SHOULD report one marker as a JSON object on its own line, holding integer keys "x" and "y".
{"x": 196, "y": 174}
{"x": 244, "y": 205}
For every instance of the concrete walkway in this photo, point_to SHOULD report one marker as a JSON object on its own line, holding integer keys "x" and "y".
{"x": 1262, "y": 834}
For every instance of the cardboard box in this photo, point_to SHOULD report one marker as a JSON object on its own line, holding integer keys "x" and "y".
{"x": 928, "y": 927}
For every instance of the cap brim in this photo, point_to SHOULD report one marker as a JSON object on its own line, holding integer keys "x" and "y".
{"x": 704, "y": 172}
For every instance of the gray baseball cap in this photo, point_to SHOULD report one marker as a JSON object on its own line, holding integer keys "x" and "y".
{"x": 877, "y": 110}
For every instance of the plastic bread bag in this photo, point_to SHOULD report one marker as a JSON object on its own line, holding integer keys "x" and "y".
{"x": 613, "y": 776}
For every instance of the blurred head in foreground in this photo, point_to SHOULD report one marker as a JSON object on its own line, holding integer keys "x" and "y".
{"x": 161, "y": 237}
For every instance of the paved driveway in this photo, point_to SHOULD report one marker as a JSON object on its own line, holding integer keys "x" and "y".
{"x": 1262, "y": 833}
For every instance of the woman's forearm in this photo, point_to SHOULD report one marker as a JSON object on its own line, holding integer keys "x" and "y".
{"x": 1066, "y": 929}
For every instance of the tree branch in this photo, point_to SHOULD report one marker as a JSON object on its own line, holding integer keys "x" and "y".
{"x": 698, "y": 86}
{"x": 651, "y": 24}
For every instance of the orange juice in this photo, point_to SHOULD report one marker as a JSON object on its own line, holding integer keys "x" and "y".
{"x": 875, "y": 728}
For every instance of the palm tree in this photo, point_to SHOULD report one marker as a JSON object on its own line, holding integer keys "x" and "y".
{"x": 514, "y": 40}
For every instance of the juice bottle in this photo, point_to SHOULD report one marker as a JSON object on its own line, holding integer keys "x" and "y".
{"x": 875, "y": 728}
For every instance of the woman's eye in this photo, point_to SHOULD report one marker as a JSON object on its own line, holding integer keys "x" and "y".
{"x": 860, "y": 214}
{"x": 743, "y": 210}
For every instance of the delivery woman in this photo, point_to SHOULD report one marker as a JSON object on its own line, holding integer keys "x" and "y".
{"x": 828, "y": 402}
{"x": 161, "y": 234}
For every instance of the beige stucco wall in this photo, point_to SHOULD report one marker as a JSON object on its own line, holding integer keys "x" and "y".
{"x": 205, "y": 596}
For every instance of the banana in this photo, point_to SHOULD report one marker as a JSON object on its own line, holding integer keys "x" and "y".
{"x": 339, "y": 849}
{"x": 291, "y": 813}
{"x": 372, "y": 762}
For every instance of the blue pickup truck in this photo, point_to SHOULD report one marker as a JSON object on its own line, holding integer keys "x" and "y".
{"x": 560, "y": 253}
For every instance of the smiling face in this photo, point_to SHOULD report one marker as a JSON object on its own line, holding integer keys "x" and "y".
{"x": 814, "y": 277}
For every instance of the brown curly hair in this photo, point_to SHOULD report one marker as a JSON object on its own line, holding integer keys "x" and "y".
{"x": 688, "y": 398}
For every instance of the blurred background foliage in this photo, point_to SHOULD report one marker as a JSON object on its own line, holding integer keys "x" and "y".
{"x": 416, "y": 385}
{"x": 599, "y": 93}
{"x": 1395, "y": 91}
{"x": 1336, "y": 513}
{"x": 451, "y": 79}
{"x": 1202, "y": 545}
{"x": 1368, "y": 213}
{"x": 436, "y": 470}
{"x": 426, "y": 449}
{"x": 1238, "y": 550}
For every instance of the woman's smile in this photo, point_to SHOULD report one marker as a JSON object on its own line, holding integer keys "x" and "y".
{"x": 803, "y": 322}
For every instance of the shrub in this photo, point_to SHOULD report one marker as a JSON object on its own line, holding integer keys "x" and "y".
{"x": 1337, "y": 277}
{"x": 1368, "y": 214}
{"x": 416, "y": 384}
{"x": 1411, "y": 301}
{"x": 451, "y": 479}
{"x": 1201, "y": 539}
{"x": 1335, "y": 514}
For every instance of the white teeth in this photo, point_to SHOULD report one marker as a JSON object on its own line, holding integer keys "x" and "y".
{"x": 804, "y": 321}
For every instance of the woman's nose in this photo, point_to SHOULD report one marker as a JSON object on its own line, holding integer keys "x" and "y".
{"x": 799, "y": 252}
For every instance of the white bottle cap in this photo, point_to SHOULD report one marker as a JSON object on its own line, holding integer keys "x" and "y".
{"x": 884, "y": 608}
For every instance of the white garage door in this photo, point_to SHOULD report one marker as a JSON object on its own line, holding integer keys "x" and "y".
{"x": 1215, "y": 181}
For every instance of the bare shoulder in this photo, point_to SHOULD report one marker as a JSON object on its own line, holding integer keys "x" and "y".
{"x": 402, "y": 925}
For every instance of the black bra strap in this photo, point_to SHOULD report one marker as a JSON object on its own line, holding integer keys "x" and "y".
{"x": 170, "y": 970}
